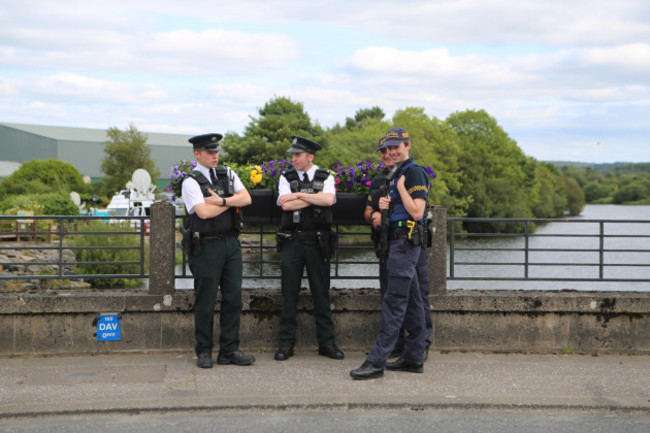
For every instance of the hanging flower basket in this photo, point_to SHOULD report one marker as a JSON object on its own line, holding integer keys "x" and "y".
{"x": 349, "y": 208}
{"x": 263, "y": 209}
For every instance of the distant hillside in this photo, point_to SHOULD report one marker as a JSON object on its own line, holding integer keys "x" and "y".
{"x": 627, "y": 167}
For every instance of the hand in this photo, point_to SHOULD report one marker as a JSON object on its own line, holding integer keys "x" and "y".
{"x": 288, "y": 197}
{"x": 384, "y": 203}
{"x": 376, "y": 219}
{"x": 213, "y": 198}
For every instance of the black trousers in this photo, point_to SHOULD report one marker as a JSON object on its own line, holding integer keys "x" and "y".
{"x": 295, "y": 257}
{"x": 217, "y": 264}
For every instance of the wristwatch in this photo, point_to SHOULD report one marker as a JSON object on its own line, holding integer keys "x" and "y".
{"x": 223, "y": 203}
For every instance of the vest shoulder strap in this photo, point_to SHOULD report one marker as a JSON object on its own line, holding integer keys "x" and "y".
{"x": 321, "y": 174}
{"x": 222, "y": 170}
{"x": 291, "y": 174}
{"x": 197, "y": 176}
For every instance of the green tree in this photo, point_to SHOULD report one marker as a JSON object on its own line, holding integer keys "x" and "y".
{"x": 492, "y": 167}
{"x": 362, "y": 115}
{"x": 630, "y": 192}
{"x": 267, "y": 137}
{"x": 349, "y": 146}
{"x": 126, "y": 151}
{"x": 596, "y": 191}
{"x": 575, "y": 196}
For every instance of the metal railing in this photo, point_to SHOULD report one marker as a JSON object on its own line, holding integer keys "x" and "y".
{"x": 259, "y": 251}
{"x": 50, "y": 233}
{"x": 609, "y": 250}
{"x": 616, "y": 249}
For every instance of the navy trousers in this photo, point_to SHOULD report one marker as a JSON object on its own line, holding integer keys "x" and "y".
{"x": 401, "y": 306}
{"x": 422, "y": 271}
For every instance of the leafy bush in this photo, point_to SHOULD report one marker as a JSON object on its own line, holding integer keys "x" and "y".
{"x": 58, "y": 204}
{"x": 104, "y": 243}
{"x": 630, "y": 193}
{"x": 12, "y": 204}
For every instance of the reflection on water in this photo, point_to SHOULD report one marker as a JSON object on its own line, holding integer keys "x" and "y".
{"x": 580, "y": 242}
{"x": 579, "y": 260}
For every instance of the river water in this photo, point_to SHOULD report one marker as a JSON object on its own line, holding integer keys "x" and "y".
{"x": 579, "y": 234}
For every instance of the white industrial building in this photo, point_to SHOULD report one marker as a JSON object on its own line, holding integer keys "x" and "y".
{"x": 82, "y": 147}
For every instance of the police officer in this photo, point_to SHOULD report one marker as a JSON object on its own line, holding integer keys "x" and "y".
{"x": 402, "y": 304}
{"x": 213, "y": 195}
{"x": 306, "y": 194}
{"x": 372, "y": 213}
{"x": 373, "y": 216}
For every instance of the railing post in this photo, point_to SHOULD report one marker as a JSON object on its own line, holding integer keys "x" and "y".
{"x": 438, "y": 251}
{"x": 162, "y": 247}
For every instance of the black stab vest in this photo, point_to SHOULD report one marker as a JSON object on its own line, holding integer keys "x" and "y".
{"x": 312, "y": 217}
{"x": 229, "y": 221}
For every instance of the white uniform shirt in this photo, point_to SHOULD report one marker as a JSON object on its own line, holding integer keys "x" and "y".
{"x": 285, "y": 188}
{"x": 191, "y": 191}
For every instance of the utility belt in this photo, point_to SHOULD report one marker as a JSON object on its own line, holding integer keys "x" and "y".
{"x": 325, "y": 239}
{"x": 417, "y": 233}
{"x": 203, "y": 236}
{"x": 192, "y": 240}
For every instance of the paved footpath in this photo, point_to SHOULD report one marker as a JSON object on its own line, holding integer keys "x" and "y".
{"x": 172, "y": 382}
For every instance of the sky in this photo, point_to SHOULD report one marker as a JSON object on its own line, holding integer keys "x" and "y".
{"x": 567, "y": 80}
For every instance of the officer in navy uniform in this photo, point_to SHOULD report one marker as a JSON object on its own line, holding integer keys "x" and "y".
{"x": 372, "y": 215}
{"x": 213, "y": 195}
{"x": 402, "y": 304}
{"x": 306, "y": 195}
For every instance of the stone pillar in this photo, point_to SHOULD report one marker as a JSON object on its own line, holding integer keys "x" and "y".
{"x": 438, "y": 251}
{"x": 162, "y": 246}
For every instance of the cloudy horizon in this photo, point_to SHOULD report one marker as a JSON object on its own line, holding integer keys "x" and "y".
{"x": 566, "y": 80}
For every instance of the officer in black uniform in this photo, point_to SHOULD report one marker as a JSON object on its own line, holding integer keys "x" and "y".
{"x": 213, "y": 195}
{"x": 402, "y": 304}
{"x": 306, "y": 194}
{"x": 372, "y": 214}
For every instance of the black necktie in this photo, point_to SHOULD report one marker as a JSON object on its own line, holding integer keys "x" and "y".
{"x": 305, "y": 178}
{"x": 213, "y": 176}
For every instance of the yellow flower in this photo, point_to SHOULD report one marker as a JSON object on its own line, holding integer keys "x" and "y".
{"x": 256, "y": 176}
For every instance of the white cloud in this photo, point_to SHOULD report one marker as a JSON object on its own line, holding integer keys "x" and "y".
{"x": 74, "y": 88}
{"x": 209, "y": 52}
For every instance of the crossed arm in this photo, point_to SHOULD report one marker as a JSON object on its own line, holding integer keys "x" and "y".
{"x": 213, "y": 205}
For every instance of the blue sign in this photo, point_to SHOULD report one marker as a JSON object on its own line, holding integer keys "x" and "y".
{"x": 109, "y": 327}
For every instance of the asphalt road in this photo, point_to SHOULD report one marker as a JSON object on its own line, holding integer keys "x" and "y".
{"x": 358, "y": 421}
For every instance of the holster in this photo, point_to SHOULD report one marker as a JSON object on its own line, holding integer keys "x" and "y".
{"x": 416, "y": 235}
{"x": 379, "y": 241}
{"x": 281, "y": 237}
{"x": 186, "y": 241}
{"x": 428, "y": 233}
{"x": 327, "y": 243}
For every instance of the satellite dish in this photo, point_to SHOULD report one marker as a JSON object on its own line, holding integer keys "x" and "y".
{"x": 141, "y": 185}
{"x": 76, "y": 199}
{"x": 141, "y": 179}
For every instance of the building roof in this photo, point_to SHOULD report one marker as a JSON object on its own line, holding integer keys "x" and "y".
{"x": 95, "y": 135}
